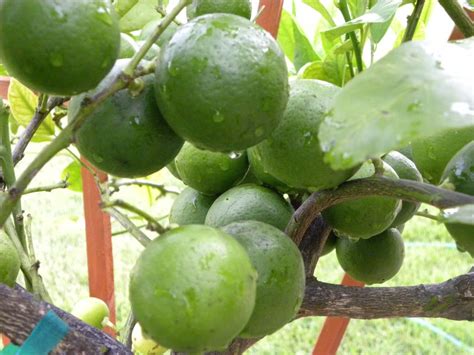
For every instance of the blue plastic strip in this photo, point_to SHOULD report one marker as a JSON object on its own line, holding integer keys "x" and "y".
{"x": 47, "y": 334}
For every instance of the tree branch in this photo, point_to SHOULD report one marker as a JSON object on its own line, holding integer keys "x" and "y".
{"x": 116, "y": 184}
{"x": 413, "y": 21}
{"x": 48, "y": 188}
{"x": 452, "y": 299}
{"x": 128, "y": 225}
{"x": 20, "y": 312}
{"x": 375, "y": 186}
{"x": 40, "y": 115}
{"x": 459, "y": 16}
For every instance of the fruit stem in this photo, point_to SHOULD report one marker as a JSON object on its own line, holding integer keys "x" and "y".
{"x": 153, "y": 224}
{"x": 128, "y": 329}
{"x": 413, "y": 21}
{"x": 355, "y": 43}
{"x": 425, "y": 214}
{"x": 459, "y": 16}
{"x": 129, "y": 69}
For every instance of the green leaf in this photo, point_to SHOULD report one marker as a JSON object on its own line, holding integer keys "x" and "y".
{"x": 415, "y": 91}
{"x": 294, "y": 42}
{"x": 139, "y": 15}
{"x": 357, "y": 7}
{"x": 344, "y": 47}
{"x": 23, "y": 103}
{"x": 319, "y": 7}
{"x": 72, "y": 174}
{"x": 124, "y": 6}
{"x": 331, "y": 69}
{"x": 462, "y": 214}
{"x": 382, "y": 12}
{"x": 378, "y": 30}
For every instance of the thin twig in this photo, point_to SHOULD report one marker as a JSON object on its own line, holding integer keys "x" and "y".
{"x": 128, "y": 225}
{"x": 128, "y": 330}
{"x": 153, "y": 224}
{"x": 413, "y": 21}
{"x": 459, "y": 16}
{"x": 48, "y": 188}
{"x": 352, "y": 35}
{"x": 425, "y": 214}
{"x": 116, "y": 184}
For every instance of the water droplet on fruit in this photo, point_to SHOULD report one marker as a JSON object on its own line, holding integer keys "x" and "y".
{"x": 104, "y": 16}
{"x": 224, "y": 165}
{"x": 259, "y": 131}
{"x": 415, "y": 106}
{"x": 97, "y": 158}
{"x": 56, "y": 59}
{"x": 173, "y": 70}
{"x": 218, "y": 117}
{"x": 308, "y": 138}
{"x": 235, "y": 155}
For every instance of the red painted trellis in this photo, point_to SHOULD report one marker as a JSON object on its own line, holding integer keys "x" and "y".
{"x": 98, "y": 228}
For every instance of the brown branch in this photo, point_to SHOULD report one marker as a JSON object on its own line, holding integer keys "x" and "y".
{"x": 452, "y": 299}
{"x": 39, "y": 116}
{"x": 20, "y": 312}
{"x": 375, "y": 186}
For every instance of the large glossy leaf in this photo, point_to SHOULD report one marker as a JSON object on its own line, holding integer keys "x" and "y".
{"x": 415, "y": 91}
{"x": 139, "y": 15}
{"x": 382, "y": 12}
{"x": 463, "y": 214}
{"x": 294, "y": 42}
{"x": 23, "y": 103}
{"x": 319, "y": 7}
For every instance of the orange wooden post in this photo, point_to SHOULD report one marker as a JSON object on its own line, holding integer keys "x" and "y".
{"x": 334, "y": 327}
{"x": 269, "y": 19}
{"x": 99, "y": 244}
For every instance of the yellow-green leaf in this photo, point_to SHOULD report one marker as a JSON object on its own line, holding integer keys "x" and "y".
{"x": 23, "y": 103}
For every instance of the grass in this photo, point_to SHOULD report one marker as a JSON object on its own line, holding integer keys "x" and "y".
{"x": 58, "y": 229}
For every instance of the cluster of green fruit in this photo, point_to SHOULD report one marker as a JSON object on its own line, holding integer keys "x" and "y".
{"x": 221, "y": 114}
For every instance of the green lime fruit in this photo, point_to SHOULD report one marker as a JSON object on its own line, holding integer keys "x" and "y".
{"x": 202, "y": 7}
{"x": 128, "y": 46}
{"x": 281, "y": 275}
{"x": 172, "y": 169}
{"x": 190, "y": 207}
{"x": 59, "y": 47}
{"x": 9, "y": 261}
{"x": 126, "y": 135}
{"x": 432, "y": 154}
{"x": 262, "y": 175}
{"x": 405, "y": 169}
{"x": 330, "y": 244}
{"x": 222, "y": 83}
{"x": 294, "y": 143}
{"x": 143, "y": 345}
{"x": 92, "y": 311}
{"x": 209, "y": 172}
{"x": 373, "y": 260}
{"x": 186, "y": 282}
{"x": 459, "y": 173}
{"x": 364, "y": 217}
{"x": 164, "y": 37}
{"x": 250, "y": 202}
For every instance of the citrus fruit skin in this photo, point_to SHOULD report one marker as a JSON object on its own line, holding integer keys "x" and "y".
{"x": 209, "y": 172}
{"x": 330, "y": 244}
{"x": 202, "y": 7}
{"x": 431, "y": 155}
{"x": 143, "y": 345}
{"x": 373, "y": 260}
{"x": 190, "y": 207}
{"x": 222, "y": 83}
{"x": 367, "y": 216}
{"x": 405, "y": 169}
{"x": 128, "y": 46}
{"x": 92, "y": 311}
{"x": 59, "y": 47}
{"x": 286, "y": 154}
{"x": 460, "y": 173}
{"x": 250, "y": 202}
{"x": 186, "y": 282}
{"x": 262, "y": 175}
{"x": 9, "y": 261}
{"x": 172, "y": 169}
{"x": 281, "y": 276}
{"x": 126, "y": 135}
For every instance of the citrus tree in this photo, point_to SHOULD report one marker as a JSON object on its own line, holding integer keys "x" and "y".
{"x": 288, "y": 149}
